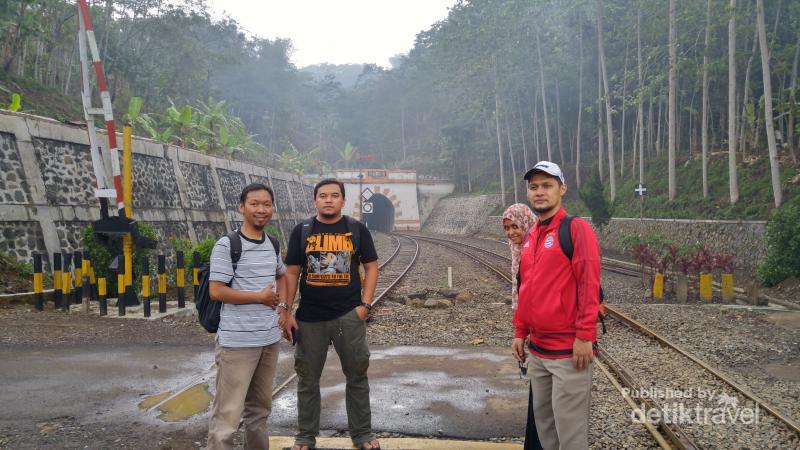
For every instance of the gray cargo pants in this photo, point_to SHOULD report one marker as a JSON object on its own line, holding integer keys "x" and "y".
{"x": 348, "y": 334}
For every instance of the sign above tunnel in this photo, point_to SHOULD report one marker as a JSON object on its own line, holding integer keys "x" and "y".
{"x": 366, "y": 194}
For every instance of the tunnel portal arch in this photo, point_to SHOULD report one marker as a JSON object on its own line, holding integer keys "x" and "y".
{"x": 382, "y": 216}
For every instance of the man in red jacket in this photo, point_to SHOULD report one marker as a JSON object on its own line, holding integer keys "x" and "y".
{"x": 557, "y": 312}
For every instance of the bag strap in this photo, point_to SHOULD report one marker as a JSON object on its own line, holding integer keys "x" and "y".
{"x": 276, "y": 245}
{"x": 354, "y": 228}
{"x": 565, "y": 236}
{"x": 236, "y": 248}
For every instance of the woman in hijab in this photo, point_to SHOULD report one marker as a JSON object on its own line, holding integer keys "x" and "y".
{"x": 518, "y": 220}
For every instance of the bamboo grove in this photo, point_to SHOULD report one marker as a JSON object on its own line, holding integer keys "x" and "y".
{"x": 615, "y": 88}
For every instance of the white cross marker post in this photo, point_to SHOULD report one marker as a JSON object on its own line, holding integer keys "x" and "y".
{"x": 640, "y": 190}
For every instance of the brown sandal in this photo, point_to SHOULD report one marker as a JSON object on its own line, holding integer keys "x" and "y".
{"x": 373, "y": 445}
{"x": 300, "y": 447}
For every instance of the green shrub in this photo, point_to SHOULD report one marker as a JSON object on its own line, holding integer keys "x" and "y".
{"x": 9, "y": 263}
{"x": 782, "y": 259}
{"x": 592, "y": 195}
{"x": 102, "y": 254}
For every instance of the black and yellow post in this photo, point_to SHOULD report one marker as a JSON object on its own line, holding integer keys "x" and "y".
{"x": 195, "y": 273}
{"x": 121, "y": 290}
{"x": 162, "y": 284}
{"x": 85, "y": 283}
{"x": 180, "y": 279}
{"x": 101, "y": 296}
{"x": 146, "y": 285}
{"x": 58, "y": 294}
{"x": 127, "y": 198}
{"x": 78, "y": 292}
{"x": 90, "y": 273}
{"x": 66, "y": 282}
{"x": 38, "y": 288}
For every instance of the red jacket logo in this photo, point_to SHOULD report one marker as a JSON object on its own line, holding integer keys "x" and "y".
{"x": 548, "y": 242}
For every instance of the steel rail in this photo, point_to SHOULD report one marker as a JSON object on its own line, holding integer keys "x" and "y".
{"x": 446, "y": 243}
{"x": 672, "y": 431}
{"x": 650, "y": 428}
{"x": 648, "y": 332}
{"x": 665, "y": 342}
{"x": 379, "y": 297}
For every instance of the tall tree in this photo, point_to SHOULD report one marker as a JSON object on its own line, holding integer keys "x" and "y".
{"x": 499, "y": 138}
{"x": 580, "y": 103}
{"x": 544, "y": 97}
{"x": 704, "y": 125}
{"x": 640, "y": 96}
{"x": 673, "y": 107}
{"x": 768, "y": 117}
{"x": 733, "y": 185}
{"x": 607, "y": 93}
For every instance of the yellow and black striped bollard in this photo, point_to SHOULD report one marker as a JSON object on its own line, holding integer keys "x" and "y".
{"x": 101, "y": 296}
{"x": 180, "y": 279}
{"x": 78, "y": 292}
{"x": 58, "y": 293}
{"x": 146, "y": 286}
{"x": 91, "y": 275}
{"x": 195, "y": 273}
{"x": 66, "y": 282}
{"x": 162, "y": 284}
{"x": 38, "y": 287}
{"x": 121, "y": 290}
{"x": 85, "y": 284}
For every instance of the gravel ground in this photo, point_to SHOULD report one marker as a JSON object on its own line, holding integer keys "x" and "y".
{"x": 759, "y": 350}
{"x": 748, "y": 349}
{"x": 487, "y": 318}
{"x": 662, "y": 371}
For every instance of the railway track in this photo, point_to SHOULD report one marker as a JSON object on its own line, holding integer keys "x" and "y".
{"x": 390, "y": 272}
{"x": 666, "y": 435}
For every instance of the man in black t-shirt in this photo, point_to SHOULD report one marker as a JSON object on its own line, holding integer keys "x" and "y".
{"x": 334, "y": 306}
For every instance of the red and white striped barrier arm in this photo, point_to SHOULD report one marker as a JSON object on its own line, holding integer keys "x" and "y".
{"x": 86, "y": 35}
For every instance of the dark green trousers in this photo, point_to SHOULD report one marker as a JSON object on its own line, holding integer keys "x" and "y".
{"x": 348, "y": 334}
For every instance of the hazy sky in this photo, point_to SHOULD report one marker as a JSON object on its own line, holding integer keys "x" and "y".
{"x": 337, "y": 31}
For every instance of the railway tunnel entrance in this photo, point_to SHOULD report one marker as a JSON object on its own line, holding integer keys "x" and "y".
{"x": 382, "y": 216}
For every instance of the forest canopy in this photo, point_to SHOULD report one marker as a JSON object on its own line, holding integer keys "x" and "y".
{"x": 496, "y": 85}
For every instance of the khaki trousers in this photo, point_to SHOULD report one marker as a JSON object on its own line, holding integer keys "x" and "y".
{"x": 244, "y": 385}
{"x": 560, "y": 402}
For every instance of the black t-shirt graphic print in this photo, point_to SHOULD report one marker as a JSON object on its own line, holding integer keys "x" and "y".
{"x": 328, "y": 259}
{"x": 330, "y": 284}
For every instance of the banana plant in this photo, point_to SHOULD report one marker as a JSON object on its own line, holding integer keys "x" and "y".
{"x": 151, "y": 126}
{"x": 16, "y": 103}
{"x": 181, "y": 122}
{"x": 134, "y": 108}
{"x": 348, "y": 155}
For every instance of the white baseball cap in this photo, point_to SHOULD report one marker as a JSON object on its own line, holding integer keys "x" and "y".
{"x": 547, "y": 167}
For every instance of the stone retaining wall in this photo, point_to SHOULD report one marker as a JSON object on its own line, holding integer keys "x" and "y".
{"x": 461, "y": 214}
{"x": 743, "y": 238}
{"x": 47, "y": 188}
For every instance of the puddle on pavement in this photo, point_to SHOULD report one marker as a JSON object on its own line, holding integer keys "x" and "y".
{"x": 153, "y": 400}
{"x": 188, "y": 403}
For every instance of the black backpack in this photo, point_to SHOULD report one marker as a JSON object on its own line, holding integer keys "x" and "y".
{"x": 208, "y": 310}
{"x": 565, "y": 241}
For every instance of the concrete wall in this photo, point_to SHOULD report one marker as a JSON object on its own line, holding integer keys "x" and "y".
{"x": 47, "y": 188}
{"x": 462, "y": 214}
{"x": 429, "y": 192}
{"x": 743, "y": 238}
